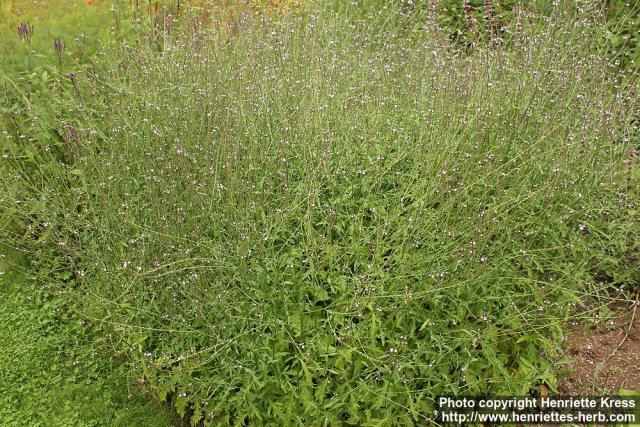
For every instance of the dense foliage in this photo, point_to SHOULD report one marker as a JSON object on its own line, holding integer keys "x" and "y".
{"x": 320, "y": 219}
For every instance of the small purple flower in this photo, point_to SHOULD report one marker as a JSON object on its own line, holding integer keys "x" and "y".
{"x": 633, "y": 154}
{"x": 71, "y": 134}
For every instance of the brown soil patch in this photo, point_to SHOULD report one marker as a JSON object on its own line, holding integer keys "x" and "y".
{"x": 600, "y": 363}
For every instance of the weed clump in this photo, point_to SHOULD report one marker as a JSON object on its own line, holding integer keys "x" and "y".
{"x": 328, "y": 221}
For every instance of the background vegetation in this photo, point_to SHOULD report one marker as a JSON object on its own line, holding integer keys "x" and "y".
{"x": 327, "y": 214}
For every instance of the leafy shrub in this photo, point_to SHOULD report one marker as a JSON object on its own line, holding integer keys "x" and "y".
{"x": 318, "y": 221}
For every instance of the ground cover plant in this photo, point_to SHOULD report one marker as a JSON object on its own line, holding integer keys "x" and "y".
{"x": 323, "y": 217}
{"x": 52, "y": 370}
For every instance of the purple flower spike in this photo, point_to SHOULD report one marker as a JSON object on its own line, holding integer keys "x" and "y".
{"x": 25, "y": 31}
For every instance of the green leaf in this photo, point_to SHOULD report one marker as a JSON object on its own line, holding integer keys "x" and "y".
{"x": 181, "y": 404}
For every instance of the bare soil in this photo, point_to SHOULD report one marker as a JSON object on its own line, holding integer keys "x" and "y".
{"x": 605, "y": 360}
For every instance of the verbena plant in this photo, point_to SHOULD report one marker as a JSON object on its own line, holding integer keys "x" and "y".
{"x": 320, "y": 220}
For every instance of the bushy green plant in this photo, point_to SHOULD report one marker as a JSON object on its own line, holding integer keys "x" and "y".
{"x": 320, "y": 222}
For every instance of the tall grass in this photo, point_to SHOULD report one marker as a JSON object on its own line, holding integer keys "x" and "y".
{"x": 318, "y": 220}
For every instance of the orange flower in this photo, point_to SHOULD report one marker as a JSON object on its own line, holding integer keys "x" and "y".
{"x": 90, "y": 2}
